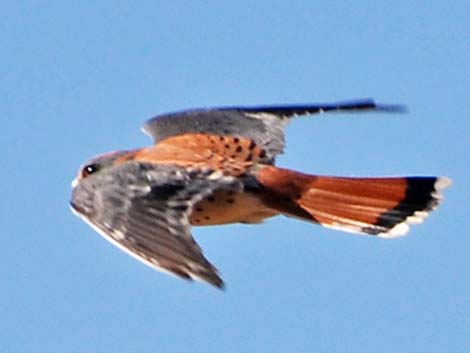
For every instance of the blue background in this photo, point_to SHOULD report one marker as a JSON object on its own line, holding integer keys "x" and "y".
{"x": 79, "y": 80}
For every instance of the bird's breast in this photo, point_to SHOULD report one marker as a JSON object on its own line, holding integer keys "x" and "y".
{"x": 224, "y": 207}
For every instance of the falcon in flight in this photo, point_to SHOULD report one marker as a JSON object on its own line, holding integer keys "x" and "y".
{"x": 217, "y": 166}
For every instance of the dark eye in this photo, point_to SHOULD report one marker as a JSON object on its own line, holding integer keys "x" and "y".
{"x": 89, "y": 169}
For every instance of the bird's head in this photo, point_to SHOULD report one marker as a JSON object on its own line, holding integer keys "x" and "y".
{"x": 90, "y": 176}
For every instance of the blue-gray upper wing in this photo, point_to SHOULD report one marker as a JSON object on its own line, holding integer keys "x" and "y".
{"x": 265, "y": 125}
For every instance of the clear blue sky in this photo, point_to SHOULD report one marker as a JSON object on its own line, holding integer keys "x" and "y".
{"x": 79, "y": 80}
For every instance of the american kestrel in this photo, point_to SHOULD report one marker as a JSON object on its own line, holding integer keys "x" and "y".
{"x": 216, "y": 166}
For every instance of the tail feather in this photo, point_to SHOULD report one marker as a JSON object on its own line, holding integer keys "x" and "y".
{"x": 383, "y": 207}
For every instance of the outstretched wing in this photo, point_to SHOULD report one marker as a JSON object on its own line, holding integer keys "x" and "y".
{"x": 264, "y": 125}
{"x": 143, "y": 209}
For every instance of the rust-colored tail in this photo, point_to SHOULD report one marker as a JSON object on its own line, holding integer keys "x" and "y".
{"x": 378, "y": 206}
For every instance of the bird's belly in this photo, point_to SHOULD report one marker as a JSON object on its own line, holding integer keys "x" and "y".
{"x": 224, "y": 207}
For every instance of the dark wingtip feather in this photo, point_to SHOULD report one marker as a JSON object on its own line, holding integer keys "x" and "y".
{"x": 391, "y": 108}
{"x": 207, "y": 274}
{"x": 364, "y": 105}
{"x": 221, "y": 286}
{"x": 215, "y": 280}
